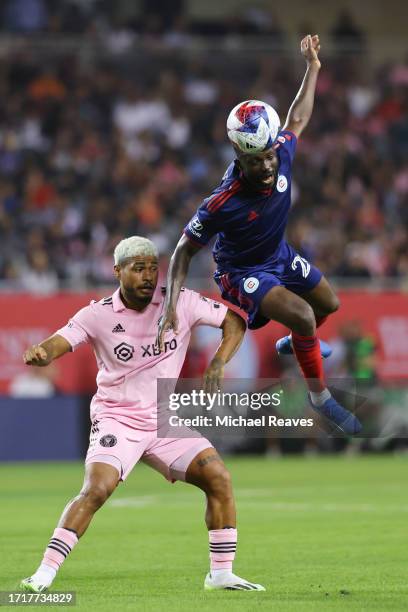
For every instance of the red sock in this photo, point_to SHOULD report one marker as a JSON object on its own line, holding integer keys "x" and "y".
{"x": 307, "y": 351}
{"x": 320, "y": 320}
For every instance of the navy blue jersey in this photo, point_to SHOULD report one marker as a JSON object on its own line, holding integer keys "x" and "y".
{"x": 249, "y": 224}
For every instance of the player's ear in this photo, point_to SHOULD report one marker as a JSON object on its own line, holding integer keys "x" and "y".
{"x": 116, "y": 271}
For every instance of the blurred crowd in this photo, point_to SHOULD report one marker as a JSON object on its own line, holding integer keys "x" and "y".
{"x": 131, "y": 140}
{"x": 124, "y": 21}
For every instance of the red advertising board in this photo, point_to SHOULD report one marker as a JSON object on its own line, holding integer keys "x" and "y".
{"x": 25, "y": 319}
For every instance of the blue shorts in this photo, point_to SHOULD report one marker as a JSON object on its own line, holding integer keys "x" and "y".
{"x": 246, "y": 287}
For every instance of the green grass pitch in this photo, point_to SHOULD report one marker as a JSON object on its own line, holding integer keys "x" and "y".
{"x": 324, "y": 533}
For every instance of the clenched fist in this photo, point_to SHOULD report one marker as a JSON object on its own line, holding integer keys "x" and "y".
{"x": 36, "y": 355}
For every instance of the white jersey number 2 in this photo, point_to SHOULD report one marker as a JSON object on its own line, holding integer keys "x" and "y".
{"x": 304, "y": 264}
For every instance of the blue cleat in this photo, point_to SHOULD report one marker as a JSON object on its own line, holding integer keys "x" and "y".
{"x": 284, "y": 347}
{"x": 343, "y": 419}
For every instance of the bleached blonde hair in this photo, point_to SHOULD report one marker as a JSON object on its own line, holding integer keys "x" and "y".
{"x": 134, "y": 246}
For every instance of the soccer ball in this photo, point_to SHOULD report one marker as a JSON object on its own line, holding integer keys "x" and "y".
{"x": 252, "y": 126}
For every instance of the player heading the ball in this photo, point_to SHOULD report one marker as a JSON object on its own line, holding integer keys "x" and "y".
{"x": 257, "y": 269}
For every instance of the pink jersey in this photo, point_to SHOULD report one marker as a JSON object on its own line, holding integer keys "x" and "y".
{"x": 129, "y": 361}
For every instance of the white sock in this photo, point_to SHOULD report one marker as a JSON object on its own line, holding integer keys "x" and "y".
{"x": 45, "y": 574}
{"x": 319, "y": 398}
{"x": 220, "y": 572}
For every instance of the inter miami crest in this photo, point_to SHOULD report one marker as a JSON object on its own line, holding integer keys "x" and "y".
{"x": 108, "y": 440}
{"x": 124, "y": 351}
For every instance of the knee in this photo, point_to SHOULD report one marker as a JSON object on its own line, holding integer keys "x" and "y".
{"x": 304, "y": 321}
{"x": 219, "y": 484}
{"x": 95, "y": 495}
{"x": 331, "y": 304}
{"x": 334, "y": 304}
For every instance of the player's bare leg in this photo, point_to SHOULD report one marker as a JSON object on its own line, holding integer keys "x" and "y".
{"x": 100, "y": 481}
{"x": 208, "y": 472}
{"x": 324, "y": 302}
{"x": 322, "y": 299}
{"x": 293, "y": 311}
{"x": 285, "y": 307}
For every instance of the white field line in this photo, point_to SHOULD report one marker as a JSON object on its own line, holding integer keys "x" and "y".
{"x": 133, "y": 502}
{"x": 284, "y": 506}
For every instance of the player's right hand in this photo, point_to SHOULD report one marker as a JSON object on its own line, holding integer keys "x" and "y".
{"x": 213, "y": 376}
{"x": 310, "y": 47}
{"x": 36, "y": 355}
{"x": 168, "y": 321}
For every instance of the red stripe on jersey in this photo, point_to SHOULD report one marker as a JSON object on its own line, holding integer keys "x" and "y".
{"x": 224, "y": 283}
{"x": 287, "y": 132}
{"x": 226, "y": 197}
{"x": 222, "y": 197}
{"x": 222, "y": 279}
{"x": 219, "y": 196}
{"x": 214, "y": 199}
{"x": 227, "y": 280}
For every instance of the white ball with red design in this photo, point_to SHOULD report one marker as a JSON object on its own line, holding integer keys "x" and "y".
{"x": 253, "y": 126}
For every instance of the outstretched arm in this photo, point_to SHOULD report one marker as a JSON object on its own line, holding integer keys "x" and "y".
{"x": 42, "y": 354}
{"x": 233, "y": 331}
{"x": 302, "y": 106}
{"x": 178, "y": 268}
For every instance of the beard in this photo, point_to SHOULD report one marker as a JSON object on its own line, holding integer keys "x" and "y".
{"x": 143, "y": 299}
{"x": 133, "y": 295}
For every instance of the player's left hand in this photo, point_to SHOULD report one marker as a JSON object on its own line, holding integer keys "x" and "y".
{"x": 310, "y": 47}
{"x": 213, "y": 376}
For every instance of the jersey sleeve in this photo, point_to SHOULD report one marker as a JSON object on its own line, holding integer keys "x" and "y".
{"x": 287, "y": 142}
{"x": 77, "y": 331}
{"x": 203, "y": 226}
{"x": 201, "y": 310}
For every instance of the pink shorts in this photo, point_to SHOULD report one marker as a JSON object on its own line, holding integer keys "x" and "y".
{"x": 122, "y": 447}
